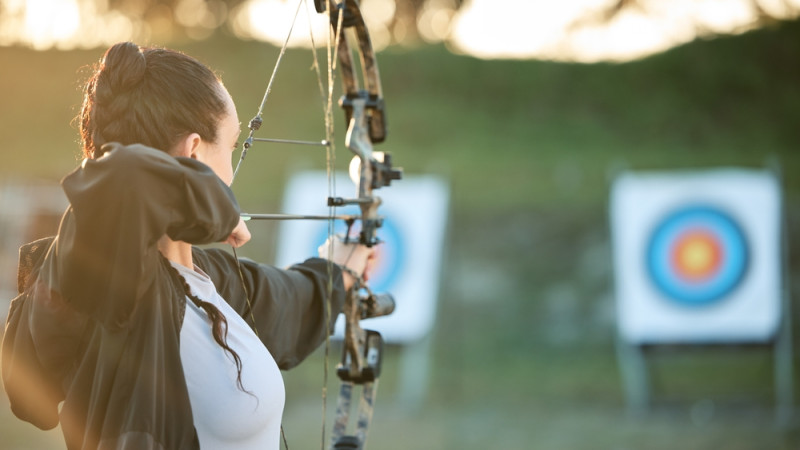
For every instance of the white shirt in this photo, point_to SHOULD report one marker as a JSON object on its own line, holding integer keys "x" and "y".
{"x": 224, "y": 416}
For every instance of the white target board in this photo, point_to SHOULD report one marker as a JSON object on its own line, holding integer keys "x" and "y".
{"x": 697, "y": 256}
{"x": 409, "y": 257}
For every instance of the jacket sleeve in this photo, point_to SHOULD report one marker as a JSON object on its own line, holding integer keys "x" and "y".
{"x": 34, "y": 392}
{"x": 120, "y": 206}
{"x": 289, "y": 306}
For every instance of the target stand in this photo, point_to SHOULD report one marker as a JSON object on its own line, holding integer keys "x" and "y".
{"x": 700, "y": 261}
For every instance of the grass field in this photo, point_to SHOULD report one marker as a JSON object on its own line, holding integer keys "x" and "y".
{"x": 522, "y": 356}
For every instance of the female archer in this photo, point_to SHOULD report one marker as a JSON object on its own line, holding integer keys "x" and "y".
{"x": 124, "y": 332}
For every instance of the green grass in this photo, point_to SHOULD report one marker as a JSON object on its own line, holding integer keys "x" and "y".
{"x": 522, "y": 354}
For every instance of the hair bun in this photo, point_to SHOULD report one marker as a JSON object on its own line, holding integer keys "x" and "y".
{"x": 122, "y": 68}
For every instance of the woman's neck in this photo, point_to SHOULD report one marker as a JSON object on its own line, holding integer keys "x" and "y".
{"x": 176, "y": 251}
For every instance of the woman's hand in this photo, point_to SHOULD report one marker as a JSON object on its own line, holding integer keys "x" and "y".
{"x": 239, "y": 236}
{"x": 356, "y": 257}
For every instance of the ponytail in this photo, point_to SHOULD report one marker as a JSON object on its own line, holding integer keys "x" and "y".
{"x": 149, "y": 96}
{"x": 219, "y": 325}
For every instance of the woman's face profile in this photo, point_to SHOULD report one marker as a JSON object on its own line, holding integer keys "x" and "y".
{"x": 218, "y": 155}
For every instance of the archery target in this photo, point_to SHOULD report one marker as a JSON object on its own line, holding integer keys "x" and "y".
{"x": 408, "y": 259}
{"x": 697, "y": 255}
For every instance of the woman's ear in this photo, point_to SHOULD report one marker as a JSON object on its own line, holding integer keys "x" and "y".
{"x": 188, "y": 146}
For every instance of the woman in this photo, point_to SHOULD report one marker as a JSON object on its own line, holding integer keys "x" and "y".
{"x": 146, "y": 339}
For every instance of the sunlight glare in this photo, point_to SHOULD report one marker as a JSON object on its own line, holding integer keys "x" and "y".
{"x": 559, "y": 30}
{"x": 64, "y": 24}
{"x": 434, "y": 22}
{"x": 270, "y": 20}
{"x": 718, "y": 16}
{"x": 200, "y": 17}
{"x": 778, "y": 8}
{"x": 378, "y": 15}
{"x": 48, "y": 22}
{"x": 379, "y": 11}
{"x": 513, "y": 28}
{"x": 613, "y": 42}
{"x": 522, "y": 29}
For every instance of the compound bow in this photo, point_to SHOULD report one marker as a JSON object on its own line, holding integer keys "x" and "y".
{"x": 366, "y": 118}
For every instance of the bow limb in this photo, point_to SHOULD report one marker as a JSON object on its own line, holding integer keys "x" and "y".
{"x": 372, "y": 93}
{"x": 365, "y": 115}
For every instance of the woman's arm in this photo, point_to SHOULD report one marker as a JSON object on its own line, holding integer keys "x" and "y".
{"x": 120, "y": 206}
{"x": 288, "y": 305}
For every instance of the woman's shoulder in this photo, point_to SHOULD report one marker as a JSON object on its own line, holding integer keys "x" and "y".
{"x": 206, "y": 256}
{"x": 215, "y": 262}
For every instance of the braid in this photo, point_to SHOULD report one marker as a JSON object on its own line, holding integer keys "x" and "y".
{"x": 219, "y": 325}
{"x": 150, "y": 96}
{"x": 109, "y": 96}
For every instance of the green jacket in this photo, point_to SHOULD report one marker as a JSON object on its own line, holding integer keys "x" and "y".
{"x": 97, "y": 321}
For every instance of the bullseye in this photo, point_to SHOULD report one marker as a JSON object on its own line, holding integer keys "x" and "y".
{"x": 697, "y": 255}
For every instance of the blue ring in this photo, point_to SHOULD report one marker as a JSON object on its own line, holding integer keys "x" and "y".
{"x": 733, "y": 264}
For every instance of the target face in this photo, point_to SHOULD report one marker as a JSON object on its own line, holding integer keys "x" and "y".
{"x": 697, "y": 255}
{"x": 407, "y": 262}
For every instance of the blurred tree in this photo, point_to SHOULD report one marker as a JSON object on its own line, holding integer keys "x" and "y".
{"x": 211, "y": 14}
{"x": 766, "y": 11}
{"x": 407, "y": 21}
{"x": 198, "y": 17}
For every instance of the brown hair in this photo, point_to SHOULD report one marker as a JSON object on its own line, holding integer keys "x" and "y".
{"x": 219, "y": 325}
{"x": 154, "y": 97}
{"x": 150, "y": 96}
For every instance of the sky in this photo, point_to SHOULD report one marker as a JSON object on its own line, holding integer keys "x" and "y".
{"x": 563, "y": 30}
